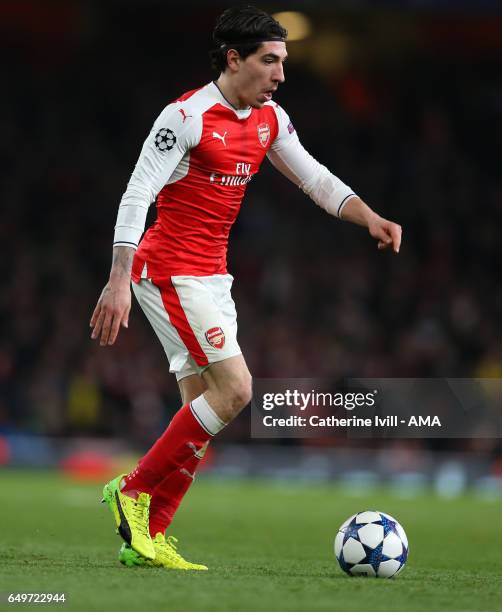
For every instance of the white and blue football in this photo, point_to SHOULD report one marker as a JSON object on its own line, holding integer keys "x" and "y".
{"x": 371, "y": 544}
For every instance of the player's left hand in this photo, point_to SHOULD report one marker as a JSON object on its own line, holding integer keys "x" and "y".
{"x": 386, "y": 232}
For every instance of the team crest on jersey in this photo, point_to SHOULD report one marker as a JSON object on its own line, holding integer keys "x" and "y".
{"x": 216, "y": 337}
{"x": 263, "y": 134}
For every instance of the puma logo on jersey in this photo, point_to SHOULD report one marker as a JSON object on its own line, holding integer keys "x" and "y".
{"x": 184, "y": 115}
{"x": 222, "y": 138}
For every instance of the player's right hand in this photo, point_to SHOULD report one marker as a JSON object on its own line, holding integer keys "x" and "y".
{"x": 112, "y": 311}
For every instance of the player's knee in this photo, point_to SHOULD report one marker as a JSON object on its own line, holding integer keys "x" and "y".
{"x": 243, "y": 392}
{"x": 240, "y": 393}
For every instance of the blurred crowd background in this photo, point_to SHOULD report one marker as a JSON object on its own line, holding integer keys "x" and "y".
{"x": 404, "y": 104}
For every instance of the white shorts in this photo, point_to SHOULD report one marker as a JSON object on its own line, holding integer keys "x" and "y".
{"x": 194, "y": 317}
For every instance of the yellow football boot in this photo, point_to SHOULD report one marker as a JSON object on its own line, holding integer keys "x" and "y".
{"x": 166, "y": 555}
{"x": 131, "y": 517}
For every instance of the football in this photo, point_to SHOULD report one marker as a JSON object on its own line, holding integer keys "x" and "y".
{"x": 371, "y": 544}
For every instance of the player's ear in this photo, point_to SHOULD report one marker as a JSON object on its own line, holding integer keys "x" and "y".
{"x": 233, "y": 60}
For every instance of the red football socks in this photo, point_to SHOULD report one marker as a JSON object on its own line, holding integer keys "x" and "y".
{"x": 168, "y": 494}
{"x": 185, "y": 436}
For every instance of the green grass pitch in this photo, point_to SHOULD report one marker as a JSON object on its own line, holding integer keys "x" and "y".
{"x": 268, "y": 546}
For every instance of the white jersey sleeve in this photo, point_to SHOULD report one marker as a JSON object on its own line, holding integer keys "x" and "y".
{"x": 289, "y": 157}
{"x": 170, "y": 139}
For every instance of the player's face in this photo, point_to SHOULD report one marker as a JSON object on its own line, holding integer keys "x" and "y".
{"x": 261, "y": 73}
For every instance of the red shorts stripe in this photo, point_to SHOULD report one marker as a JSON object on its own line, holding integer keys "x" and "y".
{"x": 180, "y": 322}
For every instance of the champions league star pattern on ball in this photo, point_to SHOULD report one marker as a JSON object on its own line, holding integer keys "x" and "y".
{"x": 371, "y": 544}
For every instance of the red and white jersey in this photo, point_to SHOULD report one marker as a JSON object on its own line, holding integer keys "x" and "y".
{"x": 196, "y": 162}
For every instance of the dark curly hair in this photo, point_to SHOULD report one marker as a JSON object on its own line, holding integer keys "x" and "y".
{"x": 242, "y": 27}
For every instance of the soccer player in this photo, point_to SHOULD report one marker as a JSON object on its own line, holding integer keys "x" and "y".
{"x": 201, "y": 153}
